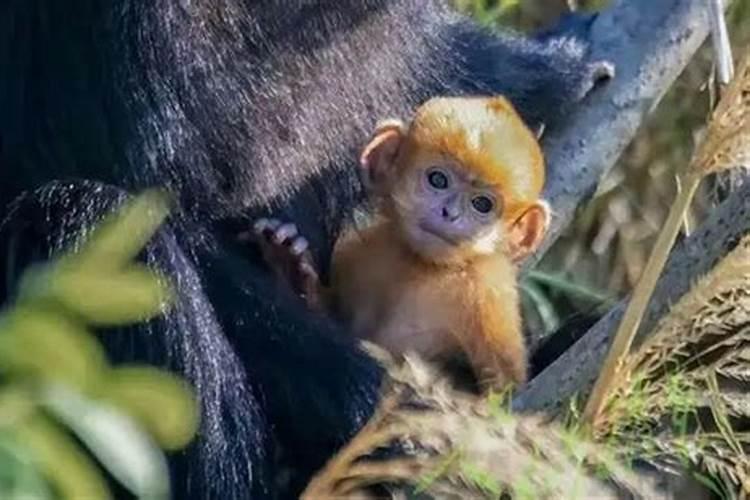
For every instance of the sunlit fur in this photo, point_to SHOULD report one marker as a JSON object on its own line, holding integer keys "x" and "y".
{"x": 386, "y": 294}
{"x": 488, "y": 138}
{"x": 434, "y": 274}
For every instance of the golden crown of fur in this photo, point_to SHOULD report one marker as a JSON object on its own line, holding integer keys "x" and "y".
{"x": 487, "y": 136}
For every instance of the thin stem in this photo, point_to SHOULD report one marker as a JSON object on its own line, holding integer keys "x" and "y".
{"x": 631, "y": 320}
{"x": 720, "y": 41}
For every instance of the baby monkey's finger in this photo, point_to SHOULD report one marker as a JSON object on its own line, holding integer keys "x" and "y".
{"x": 299, "y": 246}
{"x": 307, "y": 269}
{"x": 266, "y": 227}
{"x": 285, "y": 233}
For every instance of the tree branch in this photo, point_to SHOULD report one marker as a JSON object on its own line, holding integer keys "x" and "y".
{"x": 575, "y": 371}
{"x": 649, "y": 43}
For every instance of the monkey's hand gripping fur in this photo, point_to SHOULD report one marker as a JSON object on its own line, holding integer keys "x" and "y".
{"x": 287, "y": 253}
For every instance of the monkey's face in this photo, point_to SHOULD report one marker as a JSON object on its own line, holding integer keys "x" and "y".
{"x": 445, "y": 212}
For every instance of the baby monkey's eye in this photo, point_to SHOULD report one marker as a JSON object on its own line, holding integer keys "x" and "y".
{"x": 437, "y": 179}
{"x": 483, "y": 204}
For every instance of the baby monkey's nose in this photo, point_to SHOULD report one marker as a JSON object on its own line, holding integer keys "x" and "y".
{"x": 451, "y": 212}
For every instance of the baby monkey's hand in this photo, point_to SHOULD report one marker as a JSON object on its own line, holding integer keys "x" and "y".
{"x": 287, "y": 253}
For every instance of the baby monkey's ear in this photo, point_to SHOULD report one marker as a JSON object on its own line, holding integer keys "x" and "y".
{"x": 527, "y": 232}
{"x": 379, "y": 156}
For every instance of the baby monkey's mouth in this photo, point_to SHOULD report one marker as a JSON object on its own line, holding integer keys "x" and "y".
{"x": 425, "y": 227}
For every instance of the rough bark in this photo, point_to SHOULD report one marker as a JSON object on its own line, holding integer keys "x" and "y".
{"x": 575, "y": 371}
{"x": 649, "y": 42}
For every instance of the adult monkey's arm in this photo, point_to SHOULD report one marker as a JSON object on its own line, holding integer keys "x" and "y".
{"x": 649, "y": 43}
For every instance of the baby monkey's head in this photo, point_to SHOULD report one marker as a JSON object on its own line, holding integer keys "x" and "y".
{"x": 463, "y": 179}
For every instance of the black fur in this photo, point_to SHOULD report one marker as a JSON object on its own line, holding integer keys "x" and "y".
{"x": 238, "y": 107}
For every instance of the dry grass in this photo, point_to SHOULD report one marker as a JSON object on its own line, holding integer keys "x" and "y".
{"x": 685, "y": 393}
{"x": 726, "y": 145}
{"x": 428, "y": 440}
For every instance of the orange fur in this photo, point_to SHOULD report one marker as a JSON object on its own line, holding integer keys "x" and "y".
{"x": 388, "y": 295}
{"x": 488, "y": 138}
{"x": 465, "y": 300}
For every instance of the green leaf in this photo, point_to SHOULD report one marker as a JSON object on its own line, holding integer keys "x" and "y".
{"x": 129, "y": 454}
{"x": 40, "y": 343}
{"x": 163, "y": 403}
{"x": 558, "y": 282}
{"x": 120, "y": 237}
{"x": 99, "y": 282}
{"x": 109, "y": 299}
{"x": 20, "y": 479}
{"x": 709, "y": 483}
{"x": 70, "y": 471}
{"x": 481, "y": 479}
{"x": 542, "y": 305}
{"x": 16, "y": 403}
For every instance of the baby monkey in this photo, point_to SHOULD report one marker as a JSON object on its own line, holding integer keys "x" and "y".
{"x": 457, "y": 194}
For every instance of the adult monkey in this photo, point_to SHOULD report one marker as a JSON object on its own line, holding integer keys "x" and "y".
{"x": 238, "y": 107}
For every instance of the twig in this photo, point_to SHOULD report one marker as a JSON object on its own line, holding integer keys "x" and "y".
{"x": 641, "y": 295}
{"x": 720, "y": 40}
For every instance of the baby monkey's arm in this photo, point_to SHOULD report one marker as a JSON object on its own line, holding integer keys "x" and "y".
{"x": 287, "y": 253}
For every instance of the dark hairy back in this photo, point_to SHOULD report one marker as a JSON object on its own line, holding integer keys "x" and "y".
{"x": 239, "y": 103}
